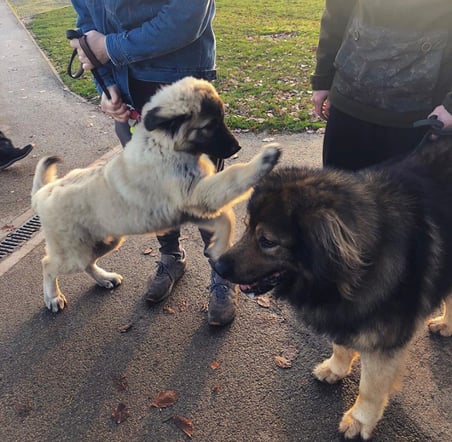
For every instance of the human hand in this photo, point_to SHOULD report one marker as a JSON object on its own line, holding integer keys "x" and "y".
{"x": 442, "y": 115}
{"x": 115, "y": 107}
{"x": 321, "y": 103}
{"x": 96, "y": 42}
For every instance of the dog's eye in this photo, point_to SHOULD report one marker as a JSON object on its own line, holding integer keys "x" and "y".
{"x": 265, "y": 243}
{"x": 210, "y": 125}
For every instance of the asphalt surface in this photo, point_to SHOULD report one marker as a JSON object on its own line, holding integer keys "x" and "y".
{"x": 62, "y": 375}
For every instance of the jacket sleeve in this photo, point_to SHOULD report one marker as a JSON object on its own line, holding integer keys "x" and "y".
{"x": 447, "y": 102}
{"x": 85, "y": 24}
{"x": 177, "y": 25}
{"x": 333, "y": 24}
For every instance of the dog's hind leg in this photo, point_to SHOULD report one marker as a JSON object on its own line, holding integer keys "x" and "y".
{"x": 380, "y": 376}
{"x": 443, "y": 324}
{"x": 337, "y": 366}
{"x": 53, "y": 298}
{"x": 103, "y": 278}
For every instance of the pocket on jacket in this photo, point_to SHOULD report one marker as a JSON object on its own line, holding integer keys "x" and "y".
{"x": 389, "y": 69}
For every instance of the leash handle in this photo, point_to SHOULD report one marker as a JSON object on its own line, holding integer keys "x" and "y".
{"x": 70, "y": 35}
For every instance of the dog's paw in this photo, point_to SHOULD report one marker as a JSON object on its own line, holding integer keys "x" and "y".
{"x": 440, "y": 326}
{"x": 110, "y": 280}
{"x": 270, "y": 156}
{"x": 352, "y": 427}
{"x": 324, "y": 372}
{"x": 55, "y": 304}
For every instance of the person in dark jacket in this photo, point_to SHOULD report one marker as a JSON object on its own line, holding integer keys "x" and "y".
{"x": 141, "y": 45}
{"x": 380, "y": 67}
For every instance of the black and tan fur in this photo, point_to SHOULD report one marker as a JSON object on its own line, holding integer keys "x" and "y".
{"x": 162, "y": 179}
{"x": 365, "y": 257}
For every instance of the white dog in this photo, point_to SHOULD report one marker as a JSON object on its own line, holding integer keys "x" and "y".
{"x": 161, "y": 180}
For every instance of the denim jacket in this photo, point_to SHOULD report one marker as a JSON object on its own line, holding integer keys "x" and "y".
{"x": 155, "y": 40}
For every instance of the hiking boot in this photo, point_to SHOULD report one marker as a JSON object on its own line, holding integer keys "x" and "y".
{"x": 170, "y": 269}
{"x": 11, "y": 155}
{"x": 223, "y": 301}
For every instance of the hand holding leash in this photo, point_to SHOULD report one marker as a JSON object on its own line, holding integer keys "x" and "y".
{"x": 72, "y": 34}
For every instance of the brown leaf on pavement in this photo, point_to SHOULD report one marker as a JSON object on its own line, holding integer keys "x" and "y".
{"x": 148, "y": 251}
{"x": 185, "y": 424}
{"x": 169, "y": 310}
{"x": 282, "y": 362}
{"x": 120, "y": 383}
{"x": 263, "y": 301}
{"x": 165, "y": 399}
{"x": 290, "y": 353}
{"x": 120, "y": 413}
{"x": 7, "y": 228}
{"x": 214, "y": 365}
{"x": 125, "y": 328}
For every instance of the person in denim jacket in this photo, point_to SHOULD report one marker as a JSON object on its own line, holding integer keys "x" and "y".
{"x": 142, "y": 45}
{"x": 380, "y": 67}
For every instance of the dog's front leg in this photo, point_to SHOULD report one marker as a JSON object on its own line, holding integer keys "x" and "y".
{"x": 380, "y": 376}
{"x": 233, "y": 183}
{"x": 442, "y": 324}
{"x": 222, "y": 227}
{"x": 336, "y": 367}
{"x": 53, "y": 297}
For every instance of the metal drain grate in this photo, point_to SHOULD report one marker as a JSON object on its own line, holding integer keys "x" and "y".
{"x": 22, "y": 234}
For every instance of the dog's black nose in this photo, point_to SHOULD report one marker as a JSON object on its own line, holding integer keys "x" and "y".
{"x": 221, "y": 267}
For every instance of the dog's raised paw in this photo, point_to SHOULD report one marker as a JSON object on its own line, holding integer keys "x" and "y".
{"x": 439, "y": 326}
{"x": 270, "y": 155}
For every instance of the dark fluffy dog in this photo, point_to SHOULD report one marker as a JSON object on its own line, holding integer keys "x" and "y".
{"x": 365, "y": 257}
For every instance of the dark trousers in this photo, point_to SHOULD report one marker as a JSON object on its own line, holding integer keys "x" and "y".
{"x": 352, "y": 144}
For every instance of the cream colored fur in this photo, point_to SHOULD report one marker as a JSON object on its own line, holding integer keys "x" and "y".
{"x": 151, "y": 186}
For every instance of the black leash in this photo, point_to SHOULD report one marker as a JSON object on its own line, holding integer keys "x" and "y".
{"x": 435, "y": 127}
{"x": 71, "y": 34}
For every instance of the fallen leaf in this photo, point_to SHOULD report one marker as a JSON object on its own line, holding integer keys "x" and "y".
{"x": 120, "y": 383}
{"x": 148, "y": 251}
{"x": 282, "y": 362}
{"x": 23, "y": 409}
{"x": 169, "y": 310}
{"x": 165, "y": 399}
{"x": 290, "y": 353}
{"x": 125, "y": 328}
{"x": 7, "y": 227}
{"x": 120, "y": 413}
{"x": 263, "y": 301}
{"x": 185, "y": 424}
{"x": 214, "y": 365}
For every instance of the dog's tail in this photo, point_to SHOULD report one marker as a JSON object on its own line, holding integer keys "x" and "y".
{"x": 45, "y": 172}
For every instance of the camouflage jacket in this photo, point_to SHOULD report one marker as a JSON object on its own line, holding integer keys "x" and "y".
{"x": 389, "y": 63}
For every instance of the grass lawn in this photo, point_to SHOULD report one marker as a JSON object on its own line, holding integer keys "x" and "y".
{"x": 265, "y": 55}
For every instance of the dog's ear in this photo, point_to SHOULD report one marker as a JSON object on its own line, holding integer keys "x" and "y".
{"x": 340, "y": 246}
{"x": 154, "y": 119}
